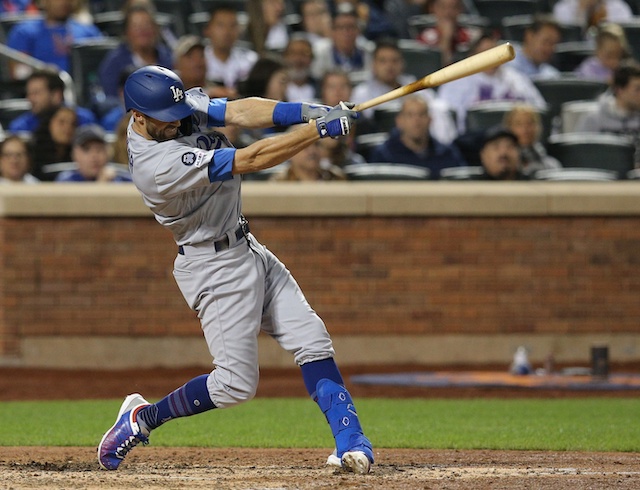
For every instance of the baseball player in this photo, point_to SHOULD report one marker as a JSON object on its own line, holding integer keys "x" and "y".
{"x": 190, "y": 179}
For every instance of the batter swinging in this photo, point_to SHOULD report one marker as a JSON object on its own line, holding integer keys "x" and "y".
{"x": 191, "y": 181}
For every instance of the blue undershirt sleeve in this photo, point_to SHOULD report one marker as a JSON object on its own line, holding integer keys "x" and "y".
{"x": 221, "y": 165}
{"x": 216, "y": 111}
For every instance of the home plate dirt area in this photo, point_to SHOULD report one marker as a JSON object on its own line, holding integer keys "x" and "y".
{"x": 238, "y": 468}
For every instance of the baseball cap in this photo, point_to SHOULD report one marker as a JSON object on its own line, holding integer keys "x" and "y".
{"x": 186, "y": 44}
{"x": 87, "y": 133}
{"x": 496, "y": 132}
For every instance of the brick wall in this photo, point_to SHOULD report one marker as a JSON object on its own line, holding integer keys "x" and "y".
{"x": 364, "y": 275}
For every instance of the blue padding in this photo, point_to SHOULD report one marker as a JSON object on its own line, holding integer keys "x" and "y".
{"x": 336, "y": 404}
{"x": 217, "y": 110}
{"x": 221, "y": 165}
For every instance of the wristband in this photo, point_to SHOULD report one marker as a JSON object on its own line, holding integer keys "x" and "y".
{"x": 287, "y": 113}
{"x": 216, "y": 112}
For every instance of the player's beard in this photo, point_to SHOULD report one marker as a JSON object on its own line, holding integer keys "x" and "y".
{"x": 162, "y": 134}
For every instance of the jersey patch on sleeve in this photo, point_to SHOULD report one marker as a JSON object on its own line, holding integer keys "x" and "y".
{"x": 193, "y": 158}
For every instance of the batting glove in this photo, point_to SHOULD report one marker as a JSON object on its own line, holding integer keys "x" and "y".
{"x": 313, "y": 111}
{"x": 338, "y": 121}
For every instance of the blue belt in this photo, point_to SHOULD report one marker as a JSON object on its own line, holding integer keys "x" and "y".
{"x": 241, "y": 231}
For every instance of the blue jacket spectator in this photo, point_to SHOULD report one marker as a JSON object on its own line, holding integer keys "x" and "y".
{"x": 410, "y": 143}
{"x": 45, "y": 90}
{"x": 90, "y": 154}
{"x": 50, "y": 38}
{"x": 141, "y": 46}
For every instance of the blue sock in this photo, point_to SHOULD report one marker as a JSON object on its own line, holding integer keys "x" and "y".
{"x": 190, "y": 399}
{"x": 314, "y": 371}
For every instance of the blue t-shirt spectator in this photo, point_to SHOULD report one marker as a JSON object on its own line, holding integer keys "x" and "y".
{"x": 50, "y": 41}
{"x": 76, "y": 176}
{"x": 17, "y": 6}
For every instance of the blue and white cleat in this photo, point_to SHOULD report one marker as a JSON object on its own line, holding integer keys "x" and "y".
{"x": 125, "y": 434}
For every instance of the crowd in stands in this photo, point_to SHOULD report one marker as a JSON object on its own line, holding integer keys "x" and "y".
{"x": 324, "y": 51}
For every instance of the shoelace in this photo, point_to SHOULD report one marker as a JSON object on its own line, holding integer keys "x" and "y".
{"x": 129, "y": 444}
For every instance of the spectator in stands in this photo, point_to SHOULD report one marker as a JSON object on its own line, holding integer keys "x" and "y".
{"x": 410, "y": 142}
{"x": 45, "y": 91}
{"x": 611, "y": 49}
{"x": 590, "y": 13}
{"x": 306, "y": 165}
{"x": 15, "y": 161}
{"x": 501, "y": 83}
{"x": 538, "y": 48}
{"x": 335, "y": 87}
{"x": 268, "y": 78}
{"x": 90, "y": 154}
{"x": 373, "y": 21}
{"x": 447, "y": 35}
{"x": 18, "y": 6}
{"x": 347, "y": 49}
{"x": 266, "y": 29}
{"x": 298, "y": 56}
{"x": 386, "y": 75}
{"x": 524, "y": 121}
{"x": 316, "y": 20}
{"x": 51, "y": 142}
{"x": 50, "y": 37}
{"x": 141, "y": 46}
{"x": 190, "y": 63}
{"x": 500, "y": 156}
{"x": 227, "y": 63}
{"x": 112, "y": 117}
{"x": 119, "y": 147}
{"x": 618, "y": 110}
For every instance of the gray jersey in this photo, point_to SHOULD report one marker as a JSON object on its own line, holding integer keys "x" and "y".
{"x": 174, "y": 178}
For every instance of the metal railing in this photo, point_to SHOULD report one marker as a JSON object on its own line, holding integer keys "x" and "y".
{"x": 36, "y": 64}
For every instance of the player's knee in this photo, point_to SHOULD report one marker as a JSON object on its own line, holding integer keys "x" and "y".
{"x": 228, "y": 389}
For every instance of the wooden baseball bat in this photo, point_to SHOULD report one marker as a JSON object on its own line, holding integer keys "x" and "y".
{"x": 473, "y": 64}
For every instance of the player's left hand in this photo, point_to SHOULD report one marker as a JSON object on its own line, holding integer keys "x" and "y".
{"x": 338, "y": 121}
{"x": 313, "y": 111}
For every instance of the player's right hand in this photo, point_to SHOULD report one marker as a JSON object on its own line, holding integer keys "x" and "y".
{"x": 338, "y": 121}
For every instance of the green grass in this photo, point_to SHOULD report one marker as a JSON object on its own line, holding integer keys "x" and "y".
{"x": 594, "y": 424}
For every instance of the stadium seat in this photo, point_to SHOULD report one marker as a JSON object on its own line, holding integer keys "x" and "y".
{"x": 86, "y": 57}
{"x": 419, "y": 60}
{"x": 472, "y": 172}
{"x": 513, "y": 28}
{"x": 12, "y": 108}
{"x": 417, "y": 23}
{"x": 576, "y": 174}
{"x": 207, "y": 5}
{"x": 178, "y": 10}
{"x": 13, "y": 89}
{"x": 385, "y": 171}
{"x": 385, "y": 117}
{"x": 632, "y": 31}
{"x": 594, "y": 150}
{"x": 367, "y": 142}
{"x": 484, "y": 115}
{"x": 496, "y": 10}
{"x": 569, "y": 55}
{"x": 571, "y": 112}
{"x": 560, "y": 90}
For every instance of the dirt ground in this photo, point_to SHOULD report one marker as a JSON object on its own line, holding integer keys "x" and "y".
{"x": 234, "y": 468}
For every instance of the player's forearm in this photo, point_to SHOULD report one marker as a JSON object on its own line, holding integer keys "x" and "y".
{"x": 272, "y": 151}
{"x": 252, "y": 112}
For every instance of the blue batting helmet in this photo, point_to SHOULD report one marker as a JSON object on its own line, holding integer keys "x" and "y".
{"x": 156, "y": 92}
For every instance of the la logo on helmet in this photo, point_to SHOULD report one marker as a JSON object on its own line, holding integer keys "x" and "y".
{"x": 177, "y": 92}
